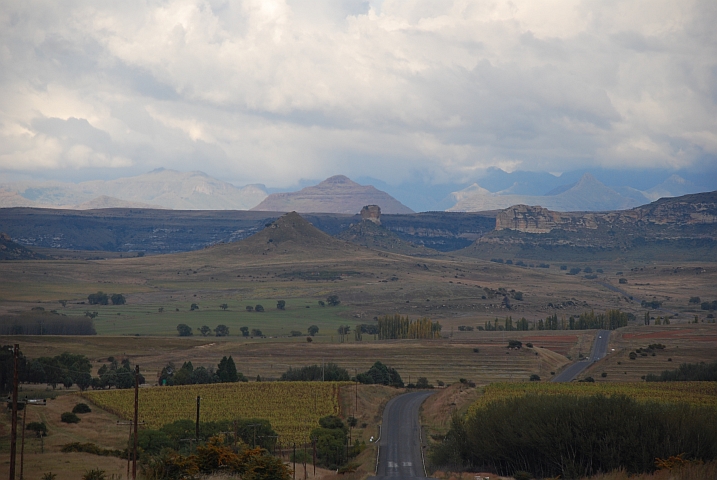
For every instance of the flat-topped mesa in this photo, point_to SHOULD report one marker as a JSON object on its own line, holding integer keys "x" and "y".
{"x": 371, "y": 213}
{"x": 536, "y": 219}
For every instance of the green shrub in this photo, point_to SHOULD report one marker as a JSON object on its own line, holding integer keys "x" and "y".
{"x": 69, "y": 417}
{"x": 81, "y": 408}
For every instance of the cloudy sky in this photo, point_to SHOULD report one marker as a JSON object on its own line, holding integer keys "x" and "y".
{"x": 279, "y": 90}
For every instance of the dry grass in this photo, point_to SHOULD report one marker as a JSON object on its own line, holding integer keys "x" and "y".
{"x": 695, "y": 471}
{"x": 97, "y": 427}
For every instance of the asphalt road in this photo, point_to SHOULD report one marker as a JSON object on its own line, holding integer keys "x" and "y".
{"x": 599, "y": 350}
{"x": 399, "y": 455}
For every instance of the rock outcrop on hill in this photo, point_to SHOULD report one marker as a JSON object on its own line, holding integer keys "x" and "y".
{"x": 371, "y": 213}
{"x": 338, "y": 194}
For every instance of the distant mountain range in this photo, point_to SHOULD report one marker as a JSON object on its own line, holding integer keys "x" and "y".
{"x": 170, "y": 189}
{"x": 338, "y": 194}
{"x": 588, "y": 195}
{"x": 159, "y": 188}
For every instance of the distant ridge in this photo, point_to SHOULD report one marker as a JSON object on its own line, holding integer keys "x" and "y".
{"x": 160, "y": 188}
{"x": 337, "y": 194}
{"x": 588, "y": 194}
{"x": 105, "y": 201}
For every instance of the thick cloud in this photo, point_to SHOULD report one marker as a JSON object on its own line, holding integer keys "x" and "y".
{"x": 274, "y": 91}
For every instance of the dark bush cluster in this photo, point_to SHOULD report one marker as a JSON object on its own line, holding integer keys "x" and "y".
{"x": 687, "y": 372}
{"x": 569, "y": 437}
{"x": 329, "y": 372}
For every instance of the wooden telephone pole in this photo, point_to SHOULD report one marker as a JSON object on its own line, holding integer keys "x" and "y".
{"x": 13, "y": 430}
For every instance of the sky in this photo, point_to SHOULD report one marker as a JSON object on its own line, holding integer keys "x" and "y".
{"x": 277, "y": 91}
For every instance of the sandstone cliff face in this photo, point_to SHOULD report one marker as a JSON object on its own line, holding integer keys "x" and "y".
{"x": 674, "y": 213}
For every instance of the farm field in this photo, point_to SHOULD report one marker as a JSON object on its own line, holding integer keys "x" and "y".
{"x": 293, "y": 408}
{"x": 695, "y": 393}
{"x": 447, "y": 360}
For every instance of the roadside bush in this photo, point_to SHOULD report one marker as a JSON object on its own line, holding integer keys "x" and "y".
{"x": 69, "y": 417}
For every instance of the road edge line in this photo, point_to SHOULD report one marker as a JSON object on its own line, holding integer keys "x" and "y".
{"x": 378, "y": 449}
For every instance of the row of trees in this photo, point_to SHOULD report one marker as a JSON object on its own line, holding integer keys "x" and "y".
{"x": 610, "y": 320}
{"x": 391, "y": 327}
{"x": 46, "y": 323}
{"x": 65, "y": 369}
{"x": 226, "y": 372}
{"x": 185, "y": 330}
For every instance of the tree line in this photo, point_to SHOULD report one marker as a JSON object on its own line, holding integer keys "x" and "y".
{"x": 610, "y": 320}
{"x": 40, "y": 322}
{"x": 687, "y": 372}
{"x": 226, "y": 372}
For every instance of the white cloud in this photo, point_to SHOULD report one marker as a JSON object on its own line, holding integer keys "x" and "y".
{"x": 273, "y": 91}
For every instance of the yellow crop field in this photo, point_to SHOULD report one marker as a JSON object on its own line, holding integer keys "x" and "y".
{"x": 293, "y": 408}
{"x": 696, "y": 393}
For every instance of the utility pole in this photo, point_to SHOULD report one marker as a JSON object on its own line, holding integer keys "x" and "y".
{"x": 136, "y": 414}
{"x": 13, "y": 430}
{"x": 129, "y": 442}
{"x": 196, "y": 428}
{"x": 313, "y": 445}
{"x": 356, "y": 377}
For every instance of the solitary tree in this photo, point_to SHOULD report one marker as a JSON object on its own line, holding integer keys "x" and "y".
{"x": 281, "y": 304}
{"x": 255, "y": 332}
{"x": 313, "y": 330}
{"x": 193, "y": 307}
{"x": 259, "y": 308}
{"x": 244, "y": 331}
{"x": 249, "y": 308}
{"x": 221, "y": 331}
{"x": 223, "y": 306}
{"x": 333, "y": 300}
{"x": 204, "y": 330}
{"x": 184, "y": 330}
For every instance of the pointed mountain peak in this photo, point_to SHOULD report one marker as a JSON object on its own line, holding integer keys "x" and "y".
{"x": 337, "y": 194}
{"x": 338, "y": 180}
{"x": 588, "y": 179}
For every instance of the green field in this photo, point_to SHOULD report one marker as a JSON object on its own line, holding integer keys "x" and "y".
{"x": 146, "y": 319}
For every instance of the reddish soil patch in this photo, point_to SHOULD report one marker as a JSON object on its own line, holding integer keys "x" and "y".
{"x": 681, "y": 334}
